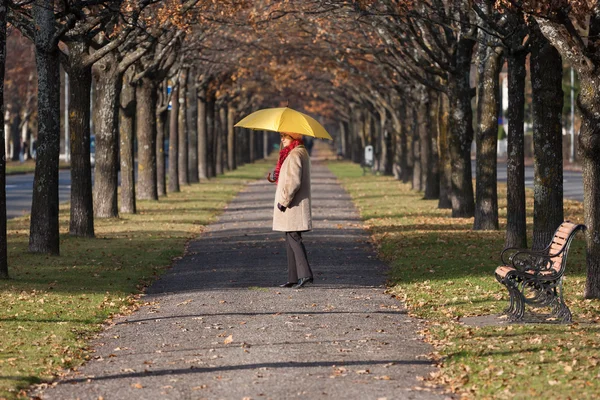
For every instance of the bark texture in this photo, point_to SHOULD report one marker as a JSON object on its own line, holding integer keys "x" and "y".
{"x": 516, "y": 212}
{"x": 108, "y": 82}
{"x": 432, "y": 186}
{"x": 547, "y": 104}
{"x": 231, "y": 142}
{"x": 218, "y": 144}
{"x": 44, "y": 233}
{"x": 461, "y": 131}
{"x": 182, "y": 155}
{"x": 210, "y": 135}
{"x": 146, "y": 133}
{"x": 417, "y": 173}
{"x": 192, "y": 128}
{"x": 488, "y": 107}
{"x": 202, "y": 136}
{"x": 444, "y": 153}
{"x": 82, "y": 215}
{"x": 173, "y": 179}
{"x": 126, "y": 140}
{"x": 405, "y": 170}
{"x": 162, "y": 114}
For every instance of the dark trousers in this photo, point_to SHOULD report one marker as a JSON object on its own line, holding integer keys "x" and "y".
{"x": 298, "y": 266}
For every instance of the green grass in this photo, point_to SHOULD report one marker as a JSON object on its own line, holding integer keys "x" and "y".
{"x": 443, "y": 270}
{"x": 51, "y": 305}
{"x": 16, "y": 167}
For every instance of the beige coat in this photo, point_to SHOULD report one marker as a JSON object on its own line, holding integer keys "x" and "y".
{"x": 293, "y": 192}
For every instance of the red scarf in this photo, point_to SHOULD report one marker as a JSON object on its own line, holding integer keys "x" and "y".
{"x": 283, "y": 153}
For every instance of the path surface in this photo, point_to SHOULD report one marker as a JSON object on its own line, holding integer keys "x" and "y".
{"x": 216, "y": 326}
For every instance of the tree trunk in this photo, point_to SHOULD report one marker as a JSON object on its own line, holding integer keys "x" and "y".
{"x": 265, "y": 144}
{"x": 547, "y": 104}
{"x": 405, "y": 173}
{"x": 358, "y": 145}
{"x": 589, "y": 154}
{"x": 488, "y": 107}
{"x": 231, "y": 145}
{"x": 417, "y": 176}
{"x": 516, "y": 211}
{"x": 218, "y": 144}
{"x": 126, "y": 136}
{"x": 108, "y": 83}
{"x": 3, "y": 241}
{"x": 589, "y": 135}
{"x": 192, "y": 128}
{"x": 202, "y": 136}
{"x": 210, "y": 135}
{"x": 444, "y": 152}
{"x": 15, "y": 136}
{"x": 173, "y": 180}
{"x": 182, "y": 154}
{"x": 432, "y": 189}
{"x": 162, "y": 114}
{"x": 146, "y": 134}
{"x": 425, "y": 143}
{"x": 82, "y": 208}
{"x": 380, "y": 148}
{"x": 461, "y": 132}
{"x": 252, "y": 146}
{"x": 44, "y": 233}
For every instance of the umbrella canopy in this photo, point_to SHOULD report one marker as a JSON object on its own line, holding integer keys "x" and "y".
{"x": 284, "y": 119}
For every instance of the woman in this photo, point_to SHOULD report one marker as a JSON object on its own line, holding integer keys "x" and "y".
{"x": 292, "y": 207}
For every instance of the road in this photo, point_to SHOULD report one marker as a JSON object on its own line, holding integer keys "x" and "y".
{"x": 19, "y": 188}
{"x": 572, "y": 180}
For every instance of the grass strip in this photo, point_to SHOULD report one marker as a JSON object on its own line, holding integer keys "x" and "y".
{"x": 443, "y": 271}
{"x": 27, "y": 167}
{"x": 52, "y": 305}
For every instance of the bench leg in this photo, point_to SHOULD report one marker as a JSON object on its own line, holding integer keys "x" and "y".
{"x": 516, "y": 308}
{"x": 559, "y": 308}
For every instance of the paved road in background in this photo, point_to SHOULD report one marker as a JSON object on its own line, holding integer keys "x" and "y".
{"x": 19, "y": 192}
{"x": 572, "y": 180}
{"x": 19, "y": 188}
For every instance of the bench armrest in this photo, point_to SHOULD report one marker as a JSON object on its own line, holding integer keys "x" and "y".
{"x": 509, "y": 253}
{"x": 532, "y": 262}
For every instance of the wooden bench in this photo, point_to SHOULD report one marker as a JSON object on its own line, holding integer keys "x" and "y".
{"x": 536, "y": 277}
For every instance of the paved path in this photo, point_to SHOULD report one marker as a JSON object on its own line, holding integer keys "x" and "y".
{"x": 216, "y": 326}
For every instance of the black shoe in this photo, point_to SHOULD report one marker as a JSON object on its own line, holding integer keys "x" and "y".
{"x": 287, "y": 284}
{"x": 302, "y": 282}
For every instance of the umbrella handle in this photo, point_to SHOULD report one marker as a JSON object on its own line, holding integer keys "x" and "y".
{"x": 269, "y": 178}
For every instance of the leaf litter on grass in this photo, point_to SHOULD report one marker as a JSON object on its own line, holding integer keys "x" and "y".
{"x": 52, "y": 305}
{"x": 443, "y": 271}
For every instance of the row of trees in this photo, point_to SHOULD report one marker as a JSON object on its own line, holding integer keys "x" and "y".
{"x": 393, "y": 73}
{"x": 417, "y": 108}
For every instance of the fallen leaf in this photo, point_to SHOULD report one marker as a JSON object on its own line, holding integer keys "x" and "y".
{"x": 228, "y": 340}
{"x": 137, "y": 386}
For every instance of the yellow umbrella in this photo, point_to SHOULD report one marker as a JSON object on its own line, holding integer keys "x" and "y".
{"x": 284, "y": 119}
